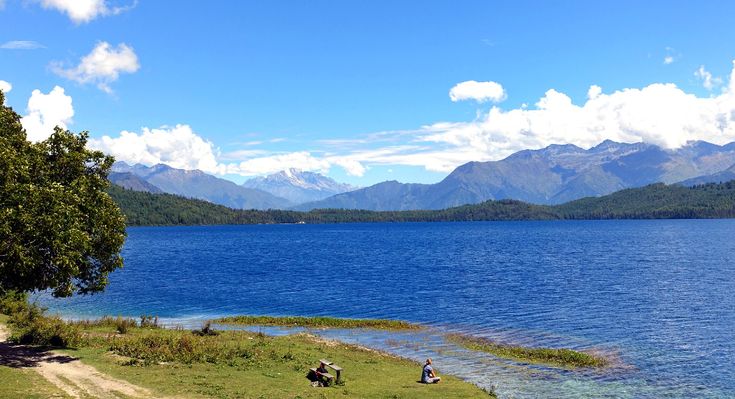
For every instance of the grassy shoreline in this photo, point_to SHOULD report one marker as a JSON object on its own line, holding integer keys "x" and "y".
{"x": 226, "y": 364}
{"x": 317, "y": 322}
{"x": 547, "y": 356}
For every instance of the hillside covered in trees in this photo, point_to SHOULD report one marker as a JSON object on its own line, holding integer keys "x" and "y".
{"x": 657, "y": 201}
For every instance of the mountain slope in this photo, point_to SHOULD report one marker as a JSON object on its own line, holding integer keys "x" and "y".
{"x": 298, "y": 186}
{"x": 389, "y": 195}
{"x": 552, "y": 175}
{"x": 132, "y": 182}
{"x": 197, "y": 184}
{"x": 724, "y": 176}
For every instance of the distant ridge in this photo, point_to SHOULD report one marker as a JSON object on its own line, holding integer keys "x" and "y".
{"x": 199, "y": 185}
{"x": 132, "y": 182}
{"x": 552, "y": 175}
{"x": 720, "y": 177}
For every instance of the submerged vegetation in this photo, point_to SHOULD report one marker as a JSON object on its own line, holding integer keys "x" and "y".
{"x": 318, "y": 322}
{"x": 656, "y": 201}
{"x": 547, "y": 356}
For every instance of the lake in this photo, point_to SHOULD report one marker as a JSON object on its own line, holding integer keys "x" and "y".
{"x": 658, "y": 296}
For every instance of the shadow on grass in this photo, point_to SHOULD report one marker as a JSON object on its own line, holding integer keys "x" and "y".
{"x": 18, "y": 356}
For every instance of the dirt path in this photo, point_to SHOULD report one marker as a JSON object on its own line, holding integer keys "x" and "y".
{"x": 76, "y": 379}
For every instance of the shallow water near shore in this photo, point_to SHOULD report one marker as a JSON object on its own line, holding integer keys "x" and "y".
{"x": 656, "y": 295}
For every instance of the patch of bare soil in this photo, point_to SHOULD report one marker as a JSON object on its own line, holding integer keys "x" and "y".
{"x": 76, "y": 379}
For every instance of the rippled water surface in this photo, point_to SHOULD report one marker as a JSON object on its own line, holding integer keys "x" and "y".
{"x": 659, "y": 296}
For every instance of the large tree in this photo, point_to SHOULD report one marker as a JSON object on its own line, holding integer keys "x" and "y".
{"x": 59, "y": 229}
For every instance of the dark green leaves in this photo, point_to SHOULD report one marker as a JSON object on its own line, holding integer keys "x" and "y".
{"x": 59, "y": 229}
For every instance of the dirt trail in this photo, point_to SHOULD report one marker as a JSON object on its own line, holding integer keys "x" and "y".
{"x": 76, "y": 379}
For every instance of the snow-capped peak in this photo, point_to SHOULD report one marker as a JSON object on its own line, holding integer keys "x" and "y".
{"x": 298, "y": 185}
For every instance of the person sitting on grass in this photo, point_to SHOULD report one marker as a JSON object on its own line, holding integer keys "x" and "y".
{"x": 322, "y": 369}
{"x": 318, "y": 376}
{"x": 428, "y": 376}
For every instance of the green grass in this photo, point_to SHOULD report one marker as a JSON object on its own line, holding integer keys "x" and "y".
{"x": 232, "y": 364}
{"x": 240, "y": 364}
{"x": 26, "y": 384}
{"x": 318, "y": 322}
{"x": 546, "y": 356}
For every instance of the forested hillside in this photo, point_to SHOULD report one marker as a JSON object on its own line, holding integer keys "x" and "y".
{"x": 657, "y": 201}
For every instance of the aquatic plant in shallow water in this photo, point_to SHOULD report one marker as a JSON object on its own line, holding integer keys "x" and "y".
{"x": 317, "y": 322}
{"x": 548, "y": 356}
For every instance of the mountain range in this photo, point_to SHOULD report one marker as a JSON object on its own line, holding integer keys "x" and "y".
{"x": 552, "y": 175}
{"x": 277, "y": 191}
{"x": 193, "y": 184}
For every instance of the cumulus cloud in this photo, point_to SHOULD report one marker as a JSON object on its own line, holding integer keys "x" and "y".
{"x": 180, "y": 147}
{"x": 176, "y": 146}
{"x": 5, "y": 86}
{"x": 708, "y": 81}
{"x": 102, "y": 66}
{"x": 21, "y": 45}
{"x": 661, "y": 114}
{"x": 82, "y": 11}
{"x": 593, "y": 92}
{"x": 478, "y": 91}
{"x": 45, "y": 112}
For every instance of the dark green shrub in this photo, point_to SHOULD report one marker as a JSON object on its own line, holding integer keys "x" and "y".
{"x": 44, "y": 331}
{"x": 31, "y": 327}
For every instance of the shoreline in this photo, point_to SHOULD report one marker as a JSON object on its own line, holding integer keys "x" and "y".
{"x": 109, "y": 347}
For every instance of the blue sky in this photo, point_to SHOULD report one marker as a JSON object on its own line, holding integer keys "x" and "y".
{"x": 361, "y": 90}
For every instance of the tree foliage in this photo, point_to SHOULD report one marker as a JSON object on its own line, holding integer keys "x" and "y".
{"x": 59, "y": 229}
{"x": 657, "y": 201}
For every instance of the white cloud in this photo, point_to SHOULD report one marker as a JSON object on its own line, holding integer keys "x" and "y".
{"x": 303, "y": 160}
{"x": 350, "y": 165}
{"x": 593, "y": 92}
{"x": 21, "y": 45}
{"x": 82, "y": 11}
{"x": 102, "y": 66}
{"x": 708, "y": 81}
{"x": 180, "y": 147}
{"x": 5, "y": 86}
{"x": 660, "y": 114}
{"x": 478, "y": 91}
{"x": 176, "y": 146}
{"x": 46, "y": 111}
{"x": 671, "y": 56}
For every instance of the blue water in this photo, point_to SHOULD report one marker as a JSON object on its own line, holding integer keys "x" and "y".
{"x": 657, "y": 296}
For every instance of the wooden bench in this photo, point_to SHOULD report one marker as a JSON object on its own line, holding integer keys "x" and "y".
{"x": 334, "y": 367}
{"x": 328, "y": 376}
